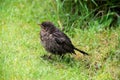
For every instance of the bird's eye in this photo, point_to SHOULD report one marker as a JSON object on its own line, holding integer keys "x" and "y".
{"x": 44, "y": 25}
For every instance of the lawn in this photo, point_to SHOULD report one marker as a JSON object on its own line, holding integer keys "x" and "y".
{"x": 21, "y": 51}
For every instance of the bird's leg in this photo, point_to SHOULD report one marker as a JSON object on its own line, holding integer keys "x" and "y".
{"x": 61, "y": 56}
{"x": 50, "y": 56}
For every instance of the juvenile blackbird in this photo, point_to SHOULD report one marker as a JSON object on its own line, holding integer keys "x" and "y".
{"x": 55, "y": 41}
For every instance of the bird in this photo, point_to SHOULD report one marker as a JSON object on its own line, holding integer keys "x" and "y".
{"x": 55, "y": 41}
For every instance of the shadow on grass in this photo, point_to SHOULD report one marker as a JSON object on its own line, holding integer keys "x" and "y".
{"x": 66, "y": 60}
{"x": 57, "y": 58}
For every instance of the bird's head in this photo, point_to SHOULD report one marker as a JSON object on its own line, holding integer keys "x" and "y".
{"x": 48, "y": 26}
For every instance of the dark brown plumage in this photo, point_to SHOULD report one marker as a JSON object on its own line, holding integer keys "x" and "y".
{"x": 55, "y": 41}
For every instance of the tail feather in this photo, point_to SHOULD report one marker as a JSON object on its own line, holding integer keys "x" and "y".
{"x": 81, "y": 51}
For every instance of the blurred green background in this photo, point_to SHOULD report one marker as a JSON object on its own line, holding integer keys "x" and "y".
{"x": 92, "y": 25}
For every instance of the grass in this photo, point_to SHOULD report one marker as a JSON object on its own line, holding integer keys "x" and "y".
{"x": 21, "y": 51}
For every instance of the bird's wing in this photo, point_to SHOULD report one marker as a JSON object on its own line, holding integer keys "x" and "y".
{"x": 62, "y": 39}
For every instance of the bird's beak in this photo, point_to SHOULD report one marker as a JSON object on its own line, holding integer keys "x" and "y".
{"x": 39, "y": 24}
